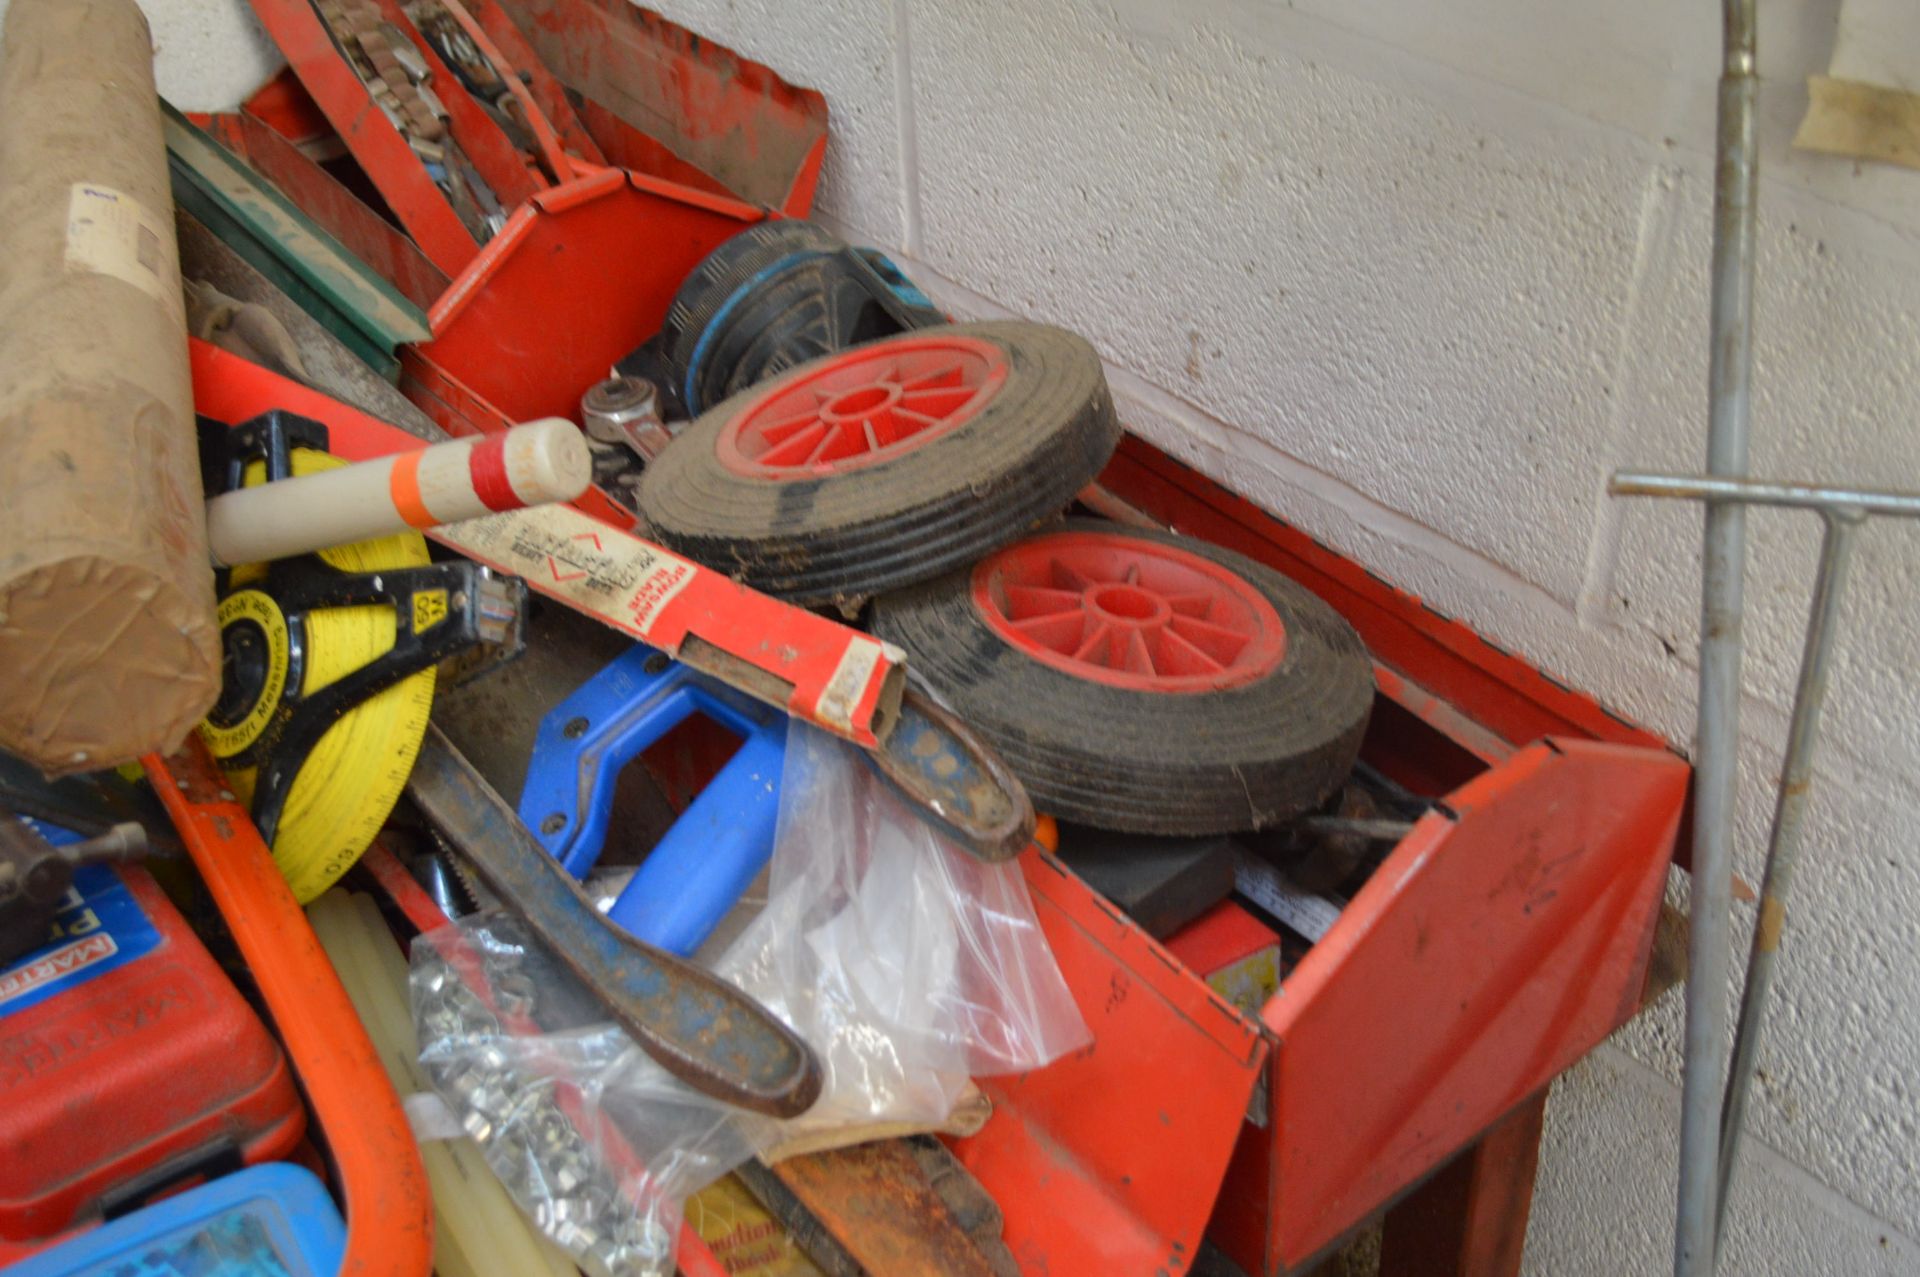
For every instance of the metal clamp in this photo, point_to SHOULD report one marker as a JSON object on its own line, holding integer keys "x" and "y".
{"x": 696, "y": 872}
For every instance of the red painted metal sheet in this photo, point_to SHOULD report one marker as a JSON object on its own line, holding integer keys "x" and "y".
{"x": 731, "y": 118}
{"x": 1413, "y": 745}
{"x": 289, "y": 109}
{"x": 1502, "y": 939}
{"x": 579, "y": 277}
{"x": 337, "y": 210}
{"x": 548, "y": 93}
{"x": 814, "y": 668}
{"x": 799, "y": 198}
{"x": 1108, "y": 1161}
{"x": 630, "y": 148}
{"x": 369, "y": 135}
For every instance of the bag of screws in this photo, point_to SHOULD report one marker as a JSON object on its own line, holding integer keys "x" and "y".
{"x": 906, "y": 964}
{"x": 595, "y": 1142}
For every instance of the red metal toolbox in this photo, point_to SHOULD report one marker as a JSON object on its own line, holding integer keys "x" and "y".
{"x": 585, "y": 267}
{"x": 1500, "y": 940}
{"x": 1505, "y": 936}
{"x": 128, "y": 1062}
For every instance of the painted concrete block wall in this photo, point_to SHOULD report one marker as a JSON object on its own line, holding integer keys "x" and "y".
{"x": 1415, "y": 276}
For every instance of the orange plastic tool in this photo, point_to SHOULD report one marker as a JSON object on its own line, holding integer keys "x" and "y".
{"x": 389, "y": 1213}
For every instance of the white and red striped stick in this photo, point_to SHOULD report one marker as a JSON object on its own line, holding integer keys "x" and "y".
{"x": 534, "y": 464}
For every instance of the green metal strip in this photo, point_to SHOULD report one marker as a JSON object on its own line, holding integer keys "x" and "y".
{"x": 192, "y": 197}
{"x": 247, "y": 211}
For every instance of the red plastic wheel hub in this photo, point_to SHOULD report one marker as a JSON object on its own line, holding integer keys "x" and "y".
{"x": 1129, "y": 612}
{"x": 862, "y": 407}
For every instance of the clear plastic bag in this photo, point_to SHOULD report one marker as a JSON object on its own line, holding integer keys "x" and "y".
{"x": 596, "y": 1143}
{"x": 907, "y": 965}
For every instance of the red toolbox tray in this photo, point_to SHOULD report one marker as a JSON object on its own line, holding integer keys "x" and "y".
{"x": 1503, "y": 938}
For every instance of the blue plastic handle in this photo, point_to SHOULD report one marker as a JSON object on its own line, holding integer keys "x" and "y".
{"x": 698, "y": 870}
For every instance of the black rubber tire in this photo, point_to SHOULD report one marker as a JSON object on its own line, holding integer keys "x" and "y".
{"x": 807, "y": 309}
{"x": 1211, "y": 762}
{"x": 843, "y": 538}
{"x": 720, "y": 275}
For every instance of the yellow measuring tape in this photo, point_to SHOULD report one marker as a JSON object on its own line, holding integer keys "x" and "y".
{"x": 349, "y": 783}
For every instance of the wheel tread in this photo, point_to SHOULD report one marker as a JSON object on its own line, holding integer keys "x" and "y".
{"x": 1195, "y": 763}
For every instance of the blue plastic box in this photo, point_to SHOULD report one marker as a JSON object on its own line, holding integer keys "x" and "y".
{"x": 273, "y": 1220}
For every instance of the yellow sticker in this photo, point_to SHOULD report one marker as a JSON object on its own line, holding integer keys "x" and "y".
{"x": 252, "y": 608}
{"x": 429, "y": 609}
{"x": 744, "y": 1237}
{"x": 111, "y": 233}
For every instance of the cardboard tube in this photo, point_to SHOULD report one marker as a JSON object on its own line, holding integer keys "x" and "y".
{"x": 108, "y": 643}
{"x": 534, "y": 464}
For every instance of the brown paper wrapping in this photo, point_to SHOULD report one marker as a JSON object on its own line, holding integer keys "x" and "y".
{"x": 108, "y": 642}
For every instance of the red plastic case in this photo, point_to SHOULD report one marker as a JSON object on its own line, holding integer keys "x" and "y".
{"x": 123, "y": 1047}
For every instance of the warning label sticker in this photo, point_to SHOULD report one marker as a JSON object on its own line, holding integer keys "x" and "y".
{"x": 574, "y": 557}
{"x": 803, "y": 663}
{"x": 111, "y": 233}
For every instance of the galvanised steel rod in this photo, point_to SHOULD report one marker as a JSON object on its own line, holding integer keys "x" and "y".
{"x": 1783, "y": 844}
{"x": 1843, "y": 510}
{"x": 1798, "y": 496}
{"x": 1723, "y": 578}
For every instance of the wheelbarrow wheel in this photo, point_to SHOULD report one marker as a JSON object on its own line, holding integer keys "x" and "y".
{"x": 771, "y": 298}
{"x": 760, "y": 250}
{"x": 887, "y": 464}
{"x": 1143, "y": 681}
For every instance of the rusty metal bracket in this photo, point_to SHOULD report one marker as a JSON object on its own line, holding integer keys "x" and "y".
{"x": 955, "y": 780}
{"x": 877, "y": 1208}
{"x": 698, "y": 1027}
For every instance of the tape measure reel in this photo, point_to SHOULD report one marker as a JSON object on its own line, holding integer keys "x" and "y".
{"x": 330, "y": 666}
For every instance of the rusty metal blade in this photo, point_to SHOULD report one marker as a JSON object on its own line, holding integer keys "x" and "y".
{"x": 955, "y": 780}
{"x": 698, "y": 1027}
{"x": 874, "y": 1209}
